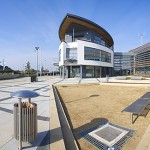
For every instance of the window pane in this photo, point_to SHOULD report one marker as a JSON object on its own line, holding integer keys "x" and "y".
{"x": 96, "y": 54}
{"x": 71, "y": 53}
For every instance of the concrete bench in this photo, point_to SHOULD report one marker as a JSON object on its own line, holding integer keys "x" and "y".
{"x": 136, "y": 78}
{"x": 121, "y": 78}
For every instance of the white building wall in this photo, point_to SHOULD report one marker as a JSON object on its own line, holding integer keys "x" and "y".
{"x": 62, "y": 48}
{"x": 80, "y": 49}
{"x": 80, "y": 53}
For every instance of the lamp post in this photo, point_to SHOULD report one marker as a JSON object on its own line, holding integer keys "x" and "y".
{"x": 3, "y": 64}
{"x": 37, "y": 48}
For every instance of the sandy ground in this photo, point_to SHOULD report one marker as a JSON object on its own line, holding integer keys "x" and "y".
{"x": 90, "y": 104}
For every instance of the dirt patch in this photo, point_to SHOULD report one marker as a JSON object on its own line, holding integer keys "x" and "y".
{"x": 89, "y": 105}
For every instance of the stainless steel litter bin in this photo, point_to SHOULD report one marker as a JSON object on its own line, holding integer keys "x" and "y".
{"x": 28, "y": 121}
{"x": 25, "y": 117}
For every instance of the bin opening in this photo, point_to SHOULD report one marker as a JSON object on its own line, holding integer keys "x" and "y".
{"x": 25, "y": 105}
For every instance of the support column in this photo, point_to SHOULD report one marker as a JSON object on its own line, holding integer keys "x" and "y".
{"x": 60, "y": 72}
{"x": 81, "y": 71}
{"x": 70, "y": 71}
{"x": 100, "y": 72}
{"x": 66, "y": 69}
{"x": 134, "y": 65}
{"x": 63, "y": 72}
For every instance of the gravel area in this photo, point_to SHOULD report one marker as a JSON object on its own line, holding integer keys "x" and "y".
{"x": 88, "y": 105}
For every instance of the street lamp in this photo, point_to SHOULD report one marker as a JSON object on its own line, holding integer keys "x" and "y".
{"x": 37, "y": 48}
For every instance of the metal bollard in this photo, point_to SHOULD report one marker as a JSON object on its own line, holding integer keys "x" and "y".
{"x": 107, "y": 78}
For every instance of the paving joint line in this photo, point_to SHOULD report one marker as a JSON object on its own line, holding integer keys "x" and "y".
{"x": 4, "y": 99}
{"x": 58, "y": 81}
{"x": 40, "y": 88}
{"x": 79, "y": 81}
{"x": 6, "y": 143}
{"x": 98, "y": 80}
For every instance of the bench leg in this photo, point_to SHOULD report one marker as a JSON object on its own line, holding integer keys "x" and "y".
{"x": 132, "y": 119}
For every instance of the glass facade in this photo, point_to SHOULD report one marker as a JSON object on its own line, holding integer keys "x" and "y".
{"x": 105, "y": 57}
{"x": 86, "y": 35}
{"x": 95, "y": 71}
{"x": 96, "y": 55}
{"x": 142, "y": 63}
{"x": 89, "y": 71}
{"x": 123, "y": 63}
{"x": 74, "y": 71}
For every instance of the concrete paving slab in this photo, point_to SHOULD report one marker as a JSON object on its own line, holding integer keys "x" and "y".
{"x": 13, "y": 89}
{"x": 70, "y": 81}
{"x": 4, "y": 95}
{"x": 43, "y": 88}
{"x": 6, "y": 110}
{"x": 89, "y": 80}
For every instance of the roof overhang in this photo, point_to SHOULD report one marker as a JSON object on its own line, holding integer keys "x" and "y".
{"x": 69, "y": 18}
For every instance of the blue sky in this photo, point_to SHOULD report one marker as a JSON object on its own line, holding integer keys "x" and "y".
{"x": 25, "y": 24}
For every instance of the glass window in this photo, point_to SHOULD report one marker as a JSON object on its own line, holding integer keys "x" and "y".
{"x": 71, "y": 53}
{"x": 87, "y": 35}
{"x": 89, "y": 71}
{"x": 97, "y": 39}
{"x": 68, "y": 38}
{"x": 105, "y": 56}
{"x": 60, "y": 55}
{"x": 96, "y": 54}
{"x": 92, "y": 54}
{"x": 102, "y": 42}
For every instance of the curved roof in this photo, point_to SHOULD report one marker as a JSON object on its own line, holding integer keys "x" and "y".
{"x": 69, "y": 19}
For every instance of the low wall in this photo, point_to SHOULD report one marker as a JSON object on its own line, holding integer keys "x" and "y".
{"x": 70, "y": 142}
{"x": 10, "y": 76}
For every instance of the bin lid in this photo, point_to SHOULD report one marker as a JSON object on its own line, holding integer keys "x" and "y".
{"x": 24, "y": 94}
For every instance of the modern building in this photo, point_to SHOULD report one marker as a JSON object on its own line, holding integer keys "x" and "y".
{"x": 142, "y": 60}
{"x": 134, "y": 62}
{"x": 86, "y": 49}
{"x": 123, "y": 63}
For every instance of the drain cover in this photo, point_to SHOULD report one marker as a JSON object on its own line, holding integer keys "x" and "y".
{"x": 108, "y": 134}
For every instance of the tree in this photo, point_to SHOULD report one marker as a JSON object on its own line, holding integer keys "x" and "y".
{"x": 42, "y": 69}
{"x": 28, "y": 68}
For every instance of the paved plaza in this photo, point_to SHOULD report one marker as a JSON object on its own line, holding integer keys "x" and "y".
{"x": 6, "y": 111}
{"x": 6, "y": 108}
{"x": 43, "y": 104}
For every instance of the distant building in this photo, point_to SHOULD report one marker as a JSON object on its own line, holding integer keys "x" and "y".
{"x": 1, "y": 67}
{"x": 134, "y": 62}
{"x": 86, "y": 49}
{"x": 123, "y": 63}
{"x": 142, "y": 60}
